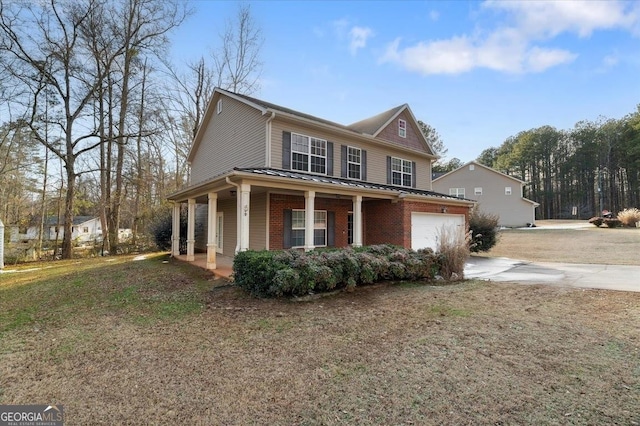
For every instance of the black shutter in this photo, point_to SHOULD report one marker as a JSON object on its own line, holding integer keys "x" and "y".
{"x": 287, "y": 228}
{"x": 343, "y": 161}
{"x": 413, "y": 174}
{"x": 389, "y": 180}
{"x": 330, "y": 158}
{"x": 331, "y": 229}
{"x": 286, "y": 150}
{"x": 363, "y": 167}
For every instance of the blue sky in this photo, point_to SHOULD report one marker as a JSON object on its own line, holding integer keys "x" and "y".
{"x": 478, "y": 72}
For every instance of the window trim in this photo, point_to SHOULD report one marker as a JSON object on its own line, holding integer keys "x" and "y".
{"x": 402, "y": 128}
{"x": 477, "y": 190}
{"x": 457, "y": 192}
{"x": 309, "y": 153}
{"x": 508, "y": 190}
{"x": 219, "y": 106}
{"x": 402, "y": 172}
{"x": 349, "y": 162}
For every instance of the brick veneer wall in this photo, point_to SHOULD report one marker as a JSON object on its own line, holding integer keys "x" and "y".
{"x": 278, "y": 203}
{"x": 386, "y": 222}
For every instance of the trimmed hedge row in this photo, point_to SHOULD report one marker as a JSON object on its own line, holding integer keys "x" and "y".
{"x": 295, "y": 273}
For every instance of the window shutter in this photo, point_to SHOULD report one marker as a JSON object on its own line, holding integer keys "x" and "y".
{"x": 413, "y": 174}
{"x": 343, "y": 161}
{"x": 286, "y": 150}
{"x": 286, "y": 223}
{"x": 331, "y": 229}
{"x": 329, "y": 158}
{"x": 389, "y": 180}
{"x": 363, "y": 168}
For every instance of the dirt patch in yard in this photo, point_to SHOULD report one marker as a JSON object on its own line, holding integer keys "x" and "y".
{"x": 469, "y": 353}
{"x": 617, "y": 246}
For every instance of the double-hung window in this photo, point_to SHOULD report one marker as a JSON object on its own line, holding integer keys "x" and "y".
{"x": 354, "y": 163}
{"x": 457, "y": 192}
{"x": 308, "y": 154}
{"x": 401, "y": 172}
{"x": 298, "y": 221}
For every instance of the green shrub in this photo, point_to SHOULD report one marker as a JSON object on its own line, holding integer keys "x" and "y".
{"x": 484, "y": 230}
{"x": 296, "y": 273}
{"x": 629, "y": 217}
{"x": 612, "y": 223}
{"x": 597, "y": 221}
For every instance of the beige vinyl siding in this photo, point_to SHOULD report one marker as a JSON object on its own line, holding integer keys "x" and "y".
{"x": 258, "y": 225}
{"x": 234, "y": 138}
{"x": 229, "y": 236}
{"x": 376, "y": 154}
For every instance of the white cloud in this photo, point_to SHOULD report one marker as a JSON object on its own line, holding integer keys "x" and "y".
{"x": 358, "y": 38}
{"x": 434, "y": 15}
{"x": 539, "y": 59}
{"x": 550, "y": 18}
{"x": 513, "y": 47}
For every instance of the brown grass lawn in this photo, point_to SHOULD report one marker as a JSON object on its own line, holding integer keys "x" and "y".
{"x": 144, "y": 342}
{"x": 617, "y": 246}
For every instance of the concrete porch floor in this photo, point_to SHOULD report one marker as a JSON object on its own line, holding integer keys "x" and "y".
{"x": 224, "y": 264}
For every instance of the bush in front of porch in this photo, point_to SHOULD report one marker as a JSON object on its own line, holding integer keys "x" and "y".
{"x": 295, "y": 273}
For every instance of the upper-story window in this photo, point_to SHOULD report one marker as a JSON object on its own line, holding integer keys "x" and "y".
{"x": 401, "y": 172}
{"x": 354, "y": 163}
{"x": 507, "y": 190}
{"x": 308, "y": 154}
{"x": 402, "y": 128}
{"x": 457, "y": 192}
{"x": 478, "y": 190}
{"x": 219, "y": 106}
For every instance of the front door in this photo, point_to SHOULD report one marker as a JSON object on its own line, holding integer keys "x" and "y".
{"x": 220, "y": 228}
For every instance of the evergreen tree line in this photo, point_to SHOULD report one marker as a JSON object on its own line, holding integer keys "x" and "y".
{"x": 575, "y": 173}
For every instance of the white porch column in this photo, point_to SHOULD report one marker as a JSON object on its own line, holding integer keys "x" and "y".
{"x": 357, "y": 221}
{"x": 191, "y": 230}
{"x": 242, "y": 222}
{"x": 212, "y": 224}
{"x": 309, "y": 219}
{"x": 175, "y": 230}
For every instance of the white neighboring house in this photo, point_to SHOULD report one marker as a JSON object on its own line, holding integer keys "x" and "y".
{"x": 495, "y": 192}
{"x": 83, "y": 230}
{"x": 16, "y": 233}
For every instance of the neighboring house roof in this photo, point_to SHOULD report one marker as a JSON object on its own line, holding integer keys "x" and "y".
{"x": 370, "y": 127}
{"x": 77, "y": 220}
{"x": 481, "y": 165}
{"x": 400, "y": 191}
{"x": 521, "y": 182}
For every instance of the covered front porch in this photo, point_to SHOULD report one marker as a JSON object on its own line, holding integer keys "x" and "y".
{"x": 272, "y": 209}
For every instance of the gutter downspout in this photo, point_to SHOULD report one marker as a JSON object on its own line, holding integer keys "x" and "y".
{"x": 268, "y": 137}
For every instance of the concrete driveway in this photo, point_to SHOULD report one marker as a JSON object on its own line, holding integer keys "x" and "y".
{"x": 608, "y": 277}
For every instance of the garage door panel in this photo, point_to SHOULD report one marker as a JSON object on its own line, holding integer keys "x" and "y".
{"x": 427, "y": 227}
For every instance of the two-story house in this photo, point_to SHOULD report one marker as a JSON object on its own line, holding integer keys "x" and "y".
{"x": 268, "y": 177}
{"x": 495, "y": 192}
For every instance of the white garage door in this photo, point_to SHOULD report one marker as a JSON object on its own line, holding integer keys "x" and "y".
{"x": 426, "y": 228}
